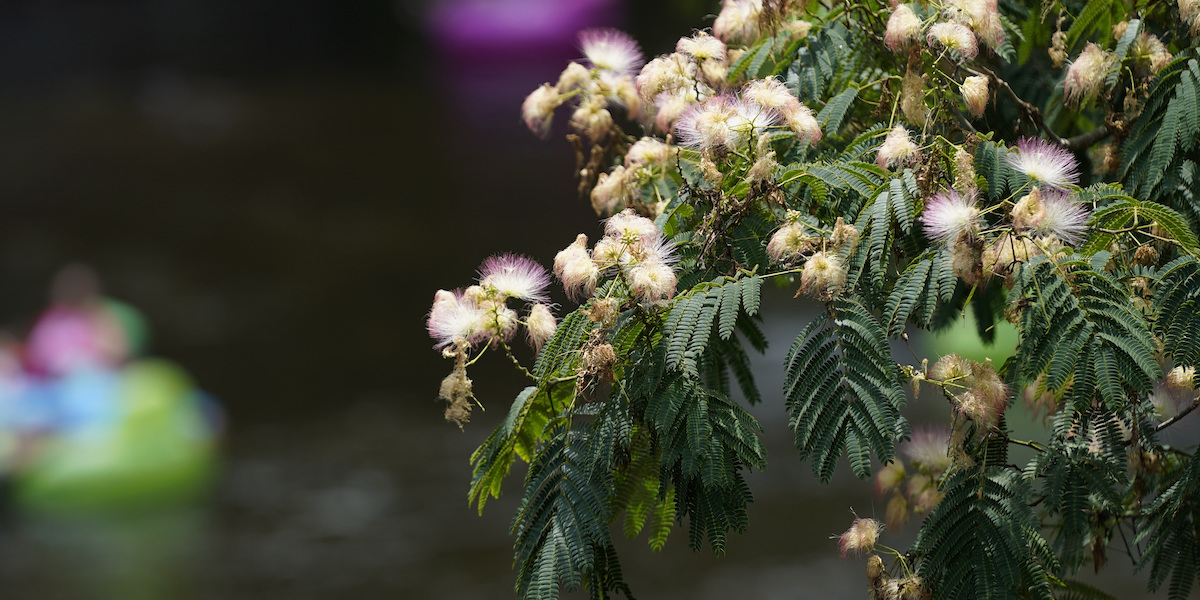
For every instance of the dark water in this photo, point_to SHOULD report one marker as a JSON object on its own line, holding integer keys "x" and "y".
{"x": 283, "y": 215}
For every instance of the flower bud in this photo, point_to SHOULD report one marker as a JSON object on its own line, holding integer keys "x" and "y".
{"x": 975, "y": 94}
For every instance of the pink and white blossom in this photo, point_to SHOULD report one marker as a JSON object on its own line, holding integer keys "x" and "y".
{"x": 611, "y": 50}
{"x": 953, "y": 36}
{"x": 903, "y": 28}
{"x": 515, "y": 276}
{"x": 773, "y": 94}
{"x": 724, "y": 120}
{"x": 897, "y": 149}
{"x": 453, "y": 318}
{"x": 929, "y": 447}
{"x": 1047, "y": 164}
{"x": 860, "y": 538}
{"x": 951, "y": 214}
{"x": 1063, "y": 217}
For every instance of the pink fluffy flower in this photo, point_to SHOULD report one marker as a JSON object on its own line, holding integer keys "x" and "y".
{"x": 954, "y": 37}
{"x": 1087, "y": 74}
{"x": 515, "y": 276}
{"x": 903, "y": 28}
{"x": 896, "y": 149}
{"x": 1063, "y": 218}
{"x": 929, "y": 447}
{"x": 860, "y": 538}
{"x": 452, "y": 318}
{"x": 611, "y": 50}
{"x": 950, "y": 214}
{"x": 1045, "y": 163}
{"x": 724, "y": 120}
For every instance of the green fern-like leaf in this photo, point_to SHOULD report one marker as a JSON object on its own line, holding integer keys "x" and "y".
{"x": 843, "y": 391}
{"x": 1073, "y": 309}
{"x": 982, "y": 540}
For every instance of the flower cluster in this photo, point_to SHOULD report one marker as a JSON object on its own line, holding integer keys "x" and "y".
{"x": 480, "y": 314}
{"x": 977, "y": 390}
{"x": 613, "y": 58}
{"x": 916, "y": 491}
{"x": 631, "y": 247}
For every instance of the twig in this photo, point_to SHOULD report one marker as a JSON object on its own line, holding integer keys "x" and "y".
{"x": 1175, "y": 419}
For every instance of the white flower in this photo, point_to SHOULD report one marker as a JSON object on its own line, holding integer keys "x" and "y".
{"x": 540, "y": 325}
{"x": 453, "y": 318}
{"x": 975, "y": 94}
{"x": 702, "y": 47}
{"x": 738, "y": 20}
{"x": 1086, "y": 75}
{"x": 538, "y": 109}
{"x": 652, "y": 280}
{"x": 576, "y": 269}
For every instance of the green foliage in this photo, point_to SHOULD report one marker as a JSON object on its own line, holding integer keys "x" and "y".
{"x": 1080, "y": 327}
{"x": 1172, "y": 537}
{"x": 985, "y": 513}
{"x": 843, "y": 391}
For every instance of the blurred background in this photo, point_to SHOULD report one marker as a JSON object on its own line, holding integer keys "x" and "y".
{"x": 279, "y": 187}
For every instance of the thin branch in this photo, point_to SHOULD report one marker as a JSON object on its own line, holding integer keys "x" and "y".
{"x": 1085, "y": 140}
{"x": 1175, "y": 419}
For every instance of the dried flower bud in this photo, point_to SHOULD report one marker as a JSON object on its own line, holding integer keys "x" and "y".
{"x": 598, "y": 362}
{"x": 1058, "y": 49}
{"x": 964, "y": 170}
{"x": 912, "y": 98}
{"x": 844, "y": 237}
{"x": 1145, "y": 255}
